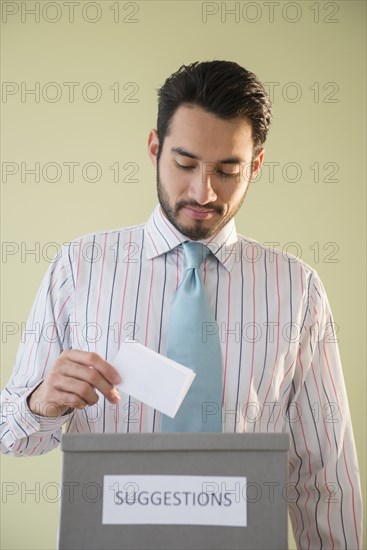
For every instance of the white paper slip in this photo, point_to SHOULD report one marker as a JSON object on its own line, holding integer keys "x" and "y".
{"x": 152, "y": 378}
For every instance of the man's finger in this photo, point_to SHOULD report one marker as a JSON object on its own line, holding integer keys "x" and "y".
{"x": 88, "y": 358}
{"x": 72, "y": 373}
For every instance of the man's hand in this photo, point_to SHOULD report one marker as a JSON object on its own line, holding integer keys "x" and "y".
{"x": 71, "y": 382}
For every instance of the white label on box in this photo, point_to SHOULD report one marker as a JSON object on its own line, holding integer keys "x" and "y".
{"x": 174, "y": 500}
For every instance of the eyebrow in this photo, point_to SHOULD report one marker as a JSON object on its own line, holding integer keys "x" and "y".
{"x": 182, "y": 152}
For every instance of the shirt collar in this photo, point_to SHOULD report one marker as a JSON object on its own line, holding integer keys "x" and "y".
{"x": 162, "y": 236}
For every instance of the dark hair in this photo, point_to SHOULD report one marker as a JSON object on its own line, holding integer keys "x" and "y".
{"x": 222, "y": 88}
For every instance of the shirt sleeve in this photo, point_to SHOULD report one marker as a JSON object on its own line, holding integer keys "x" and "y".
{"x": 46, "y": 335}
{"x": 324, "y": 493}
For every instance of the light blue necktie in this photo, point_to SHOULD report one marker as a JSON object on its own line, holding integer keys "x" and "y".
{"x": 193, "y": 341}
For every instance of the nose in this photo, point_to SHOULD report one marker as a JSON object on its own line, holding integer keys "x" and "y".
{"x": 201, "y": 189}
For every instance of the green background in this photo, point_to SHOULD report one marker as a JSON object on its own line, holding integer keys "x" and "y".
{"x": 317, "y": 63}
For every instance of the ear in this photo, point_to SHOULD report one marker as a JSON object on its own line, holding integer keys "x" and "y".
{"x": 153, "y": 143}
{"x": 258, "y": 160}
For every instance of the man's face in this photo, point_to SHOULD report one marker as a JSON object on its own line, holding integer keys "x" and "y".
{"x": 204, "y": 170}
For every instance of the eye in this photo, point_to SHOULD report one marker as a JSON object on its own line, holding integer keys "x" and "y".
{"x": 231, "y": 175}
{"x": 228, "y": 174}
{"x": 184, "y": 167}
{"x": 224, "y": 174}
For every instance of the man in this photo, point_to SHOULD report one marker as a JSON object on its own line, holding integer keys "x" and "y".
{"x": 281, "y": 369}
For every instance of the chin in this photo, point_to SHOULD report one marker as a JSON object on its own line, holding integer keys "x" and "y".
{"x": 197, "y": 231}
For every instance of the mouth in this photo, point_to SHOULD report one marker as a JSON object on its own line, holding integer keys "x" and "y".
{"x": 199, "y": 213}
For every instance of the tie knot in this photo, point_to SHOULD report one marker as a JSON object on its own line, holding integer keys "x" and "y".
{"x": 195, "y": 254}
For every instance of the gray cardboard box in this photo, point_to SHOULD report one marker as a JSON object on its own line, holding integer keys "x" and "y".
{"x": 87, "y": 458}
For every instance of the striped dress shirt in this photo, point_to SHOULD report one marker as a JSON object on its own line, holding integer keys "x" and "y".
{"x": 280, "y": 358}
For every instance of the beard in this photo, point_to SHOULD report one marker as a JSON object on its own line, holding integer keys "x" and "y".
{"x": 197, "y": 230}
